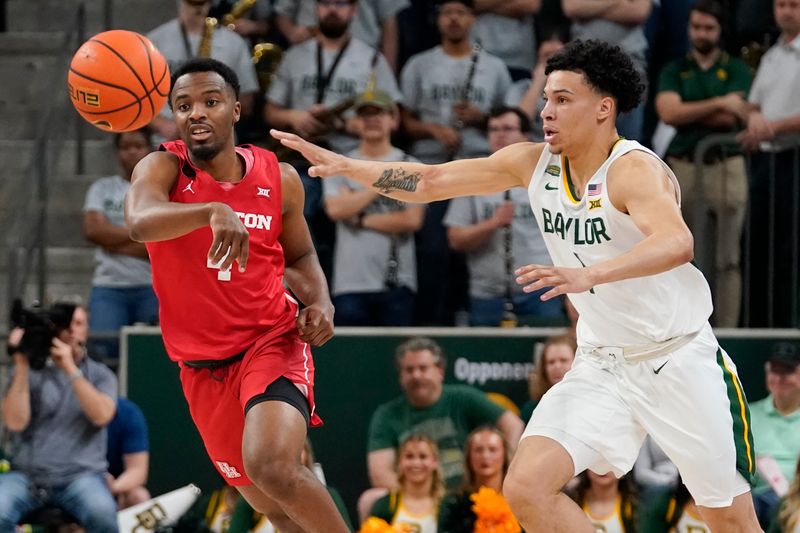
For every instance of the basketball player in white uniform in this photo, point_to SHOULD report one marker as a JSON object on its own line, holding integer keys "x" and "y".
{"x": 647, "y": 362}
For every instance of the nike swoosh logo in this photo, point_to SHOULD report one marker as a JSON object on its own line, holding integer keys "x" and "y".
{"x": 550, "y": 187}
{"x": 657, "y": 370}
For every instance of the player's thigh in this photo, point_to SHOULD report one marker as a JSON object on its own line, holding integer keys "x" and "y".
{"x": 541, "y": 465}
{"x": 586, "y": 410}
{"x": 697, "y": 413}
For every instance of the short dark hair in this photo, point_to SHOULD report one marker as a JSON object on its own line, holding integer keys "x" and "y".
{"x": 524, "y": 121}
{"x": 205, "y": 64}
{"x": 712, "y": 8}
{"x": 146, "y": 132}
{"x": 606, "y": 68}
{"x": 470, "y": 4}
{"x": 418, "y": 344}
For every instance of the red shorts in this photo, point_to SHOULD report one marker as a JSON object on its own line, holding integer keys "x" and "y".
{"x": 217, "y": 398}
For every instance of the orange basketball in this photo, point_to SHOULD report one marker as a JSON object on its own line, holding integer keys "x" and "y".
{"x": 118, "y": 81}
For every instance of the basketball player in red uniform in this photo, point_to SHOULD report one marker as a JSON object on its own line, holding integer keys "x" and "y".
{"x": 224, "y": 228}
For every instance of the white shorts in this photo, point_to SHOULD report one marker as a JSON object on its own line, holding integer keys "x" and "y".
{"x": 693, "y": 407}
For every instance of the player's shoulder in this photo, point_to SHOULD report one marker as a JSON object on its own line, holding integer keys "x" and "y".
{"x": 637, "y": 159}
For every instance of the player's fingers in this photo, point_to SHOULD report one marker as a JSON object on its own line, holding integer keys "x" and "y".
{"x": 233, "y": 253}
{"x": 244, "y": 253}
{"x": 541, "y": 283}
{"x": 527, "y": 268}
{"x": 534, "y": 275}
{"x": 552, "y": 293}
{"x": 214, "y": 248}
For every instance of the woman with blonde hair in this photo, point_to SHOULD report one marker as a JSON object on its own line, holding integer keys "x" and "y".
{"x": 788, "y": 519}
{"x": 486, "y": 456}
{"x": 551, "y": 366}
{"x": 414, "y": 507}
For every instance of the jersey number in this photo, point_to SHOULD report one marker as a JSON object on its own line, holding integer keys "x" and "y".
{"x": 222, "y": 275}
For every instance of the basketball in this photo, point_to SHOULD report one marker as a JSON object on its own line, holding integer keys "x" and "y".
{"x": 118, "y": 81}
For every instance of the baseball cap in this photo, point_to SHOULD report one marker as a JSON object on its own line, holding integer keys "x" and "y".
{"x": 379, "y": 99}
{"x": 785, "y": 357}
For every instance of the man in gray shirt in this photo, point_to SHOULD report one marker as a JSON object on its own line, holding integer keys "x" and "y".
{"x": 498, "y": 233}
{"x": 449, "y": 90}
{"x": 618, "y": 22}
{"x": 505, "y": 28}
{"x": 375, "y": 23}
{"x": 57, "y": 416}
{"x": 374, "y": 270}
{"x": 316, "y": 81}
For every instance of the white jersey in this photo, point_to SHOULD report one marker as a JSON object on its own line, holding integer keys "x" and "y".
{"x": 591, "y": 230}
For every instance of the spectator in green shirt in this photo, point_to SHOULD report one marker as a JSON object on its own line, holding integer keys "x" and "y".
{"x": 701, "y": 94}
{"x": 448, "y": 413}
{"x": 776, "y": 424}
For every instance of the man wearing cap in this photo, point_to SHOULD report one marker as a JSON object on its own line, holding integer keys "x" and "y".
{"x": 374, "y": 265}
{"x": 776, "y": 424}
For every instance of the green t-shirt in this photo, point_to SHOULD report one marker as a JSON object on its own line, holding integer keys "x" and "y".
{"x": 685, "y": 77}
{"x": 776, "y": 435}
{"x": 459, "y": 410}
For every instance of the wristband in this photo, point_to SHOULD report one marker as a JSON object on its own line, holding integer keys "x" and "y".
{"x": 78, "y": 374}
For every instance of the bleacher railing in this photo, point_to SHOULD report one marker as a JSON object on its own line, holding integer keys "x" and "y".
{"x": 725, "y": 145}
{"x": 26, "y": 230}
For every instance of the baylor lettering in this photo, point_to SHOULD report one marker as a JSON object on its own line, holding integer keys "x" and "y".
{"x": 589, "y": 231}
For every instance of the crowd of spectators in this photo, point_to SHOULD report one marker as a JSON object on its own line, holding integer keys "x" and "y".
{"x": 436, "y": 81}
{"x": 447, "y": 65}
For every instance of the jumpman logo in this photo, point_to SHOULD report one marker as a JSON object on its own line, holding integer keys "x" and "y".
{"x": 262, "y": 192}
{"x": 189, "y": 187}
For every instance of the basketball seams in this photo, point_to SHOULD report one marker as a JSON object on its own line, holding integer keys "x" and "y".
{"x": 136, "y": 100}
{"x": 100, "y": 61}
{"x": 150, "y": 70}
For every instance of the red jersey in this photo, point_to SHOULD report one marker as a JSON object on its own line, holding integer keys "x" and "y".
{"x": 207, "y": 313}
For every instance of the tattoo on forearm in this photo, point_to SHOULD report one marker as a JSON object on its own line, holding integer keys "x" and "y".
{"x": 397, "y": 179}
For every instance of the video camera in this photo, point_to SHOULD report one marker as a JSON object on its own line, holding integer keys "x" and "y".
{"x": 41, "y": 326}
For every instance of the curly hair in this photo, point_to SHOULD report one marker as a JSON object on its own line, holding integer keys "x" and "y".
{"x": 606, "y": 68}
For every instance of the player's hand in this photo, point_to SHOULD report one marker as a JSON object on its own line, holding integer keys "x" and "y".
{"x": 449, "y": 137}
{"x": 563, "y": 280}
{"x": 315, "y": 324}
{"x": 231, "y": 239}
{"x": 324, "y": 163}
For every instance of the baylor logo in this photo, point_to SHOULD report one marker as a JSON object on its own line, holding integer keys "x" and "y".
{"x": 589, "y": 231}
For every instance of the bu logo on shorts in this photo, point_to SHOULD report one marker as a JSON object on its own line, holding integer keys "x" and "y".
{"x": 229, "y": 471}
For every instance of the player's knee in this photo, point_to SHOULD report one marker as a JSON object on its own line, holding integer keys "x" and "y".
{"x": 521, "y": 494}
{"x": 276, "y": 477}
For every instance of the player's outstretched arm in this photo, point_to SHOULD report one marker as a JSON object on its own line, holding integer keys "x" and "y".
{"x": 303, "y": 274}
{"x": 638, "y": 185}
{"x": 417, "y": 182}
{"x": 151, "y": 216}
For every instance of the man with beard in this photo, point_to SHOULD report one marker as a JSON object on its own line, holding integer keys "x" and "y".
{"x": 446, "y": 413}
{"x": 448, "y": 92}
{"x": 202, "y": 204}
{"x": 314, "y": 78}
{"x": 181, "y": 38}
{"x": 701, "y": 94}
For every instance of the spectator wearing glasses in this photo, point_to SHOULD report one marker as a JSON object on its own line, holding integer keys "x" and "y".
{"x": 499, "y": 234}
